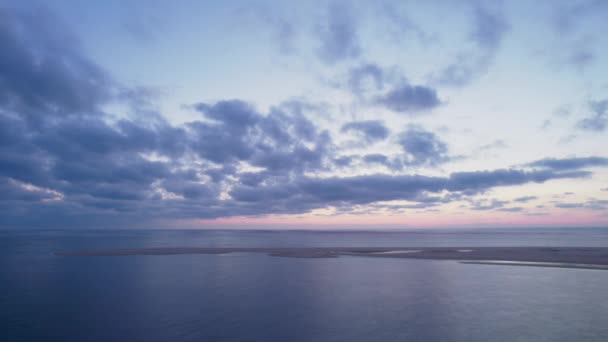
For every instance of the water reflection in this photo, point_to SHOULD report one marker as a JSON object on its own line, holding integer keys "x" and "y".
{"x": 254, "y": 297}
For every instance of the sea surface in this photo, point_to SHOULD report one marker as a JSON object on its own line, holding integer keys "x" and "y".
{"x": 255, "y": 297}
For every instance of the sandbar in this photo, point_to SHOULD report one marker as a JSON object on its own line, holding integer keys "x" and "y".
{"x": 571, "y": 257}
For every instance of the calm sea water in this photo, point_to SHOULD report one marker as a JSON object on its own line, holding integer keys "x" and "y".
{"x": 250, "y": 297}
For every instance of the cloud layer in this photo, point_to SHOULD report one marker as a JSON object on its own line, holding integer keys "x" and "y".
{"x": 79, "y": 147}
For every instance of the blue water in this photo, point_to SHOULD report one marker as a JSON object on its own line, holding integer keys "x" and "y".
{"x": 252, "y": 297}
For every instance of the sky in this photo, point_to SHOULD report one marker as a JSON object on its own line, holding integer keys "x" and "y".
{"x": 303, "y": 114}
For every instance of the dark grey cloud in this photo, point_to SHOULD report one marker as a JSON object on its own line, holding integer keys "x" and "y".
{"x": 596, "y": 204}
{"x": 421, "y": 202}
{"x": 278, "y": 141}
{"x": 344, "y": 161}
{"x": 338, "y": 36}
{"x": 525, "y": 199}
{"x": 422, "y": 147}
{"x": 598, "y": 121}
{"x": 569, "y": 205}
{"x": 410, "y": 99}
{"x": 380, "y": 159}
{"x": 62, "y": 155}
{"x": 511, "y": 209}
{"x": 591, "y": 204}
{"x": 369, "y": 130}
{"x": 419, "y": 148}
{"x": 489, "y": 27}
{"x": 561, "y": 164}
{"x": 44, "y": 73}
{"x": 305, "y": 193}
{"x": 407, "y": 206}
{"x": 100, "y": 166}
{"x": 484, "y": 179}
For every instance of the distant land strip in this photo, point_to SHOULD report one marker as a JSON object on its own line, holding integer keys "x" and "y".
{"x": 538, "y": 264}
{"x": 570, "y": 257}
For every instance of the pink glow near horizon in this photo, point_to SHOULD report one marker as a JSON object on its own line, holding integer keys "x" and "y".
{"x": 554, "y": 218}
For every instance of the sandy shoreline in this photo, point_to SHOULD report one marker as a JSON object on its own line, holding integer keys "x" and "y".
{"x": 575, "y": 257}
{"x": 538, "y": 264}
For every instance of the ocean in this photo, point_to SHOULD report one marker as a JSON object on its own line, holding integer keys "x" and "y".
{"x": 256, "y": 297}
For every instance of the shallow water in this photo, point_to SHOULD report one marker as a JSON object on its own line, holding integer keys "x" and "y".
{"x": 254, "y": 297}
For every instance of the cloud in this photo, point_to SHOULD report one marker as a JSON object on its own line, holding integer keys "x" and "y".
{"x": 285, "y": 33}
{"x": 377, "y": 158}
{"x": 525, "y": 199}
{"x": 144, "y": 23}
{"x": 283, "y": 26}
{"x": 422, "y": 147}
{"x": 338, "y": 36}
{"x": 485, "y": 204}
{"x": 569, "y": 163}
{"x": 305, "y": 193}
{"x": 511, "y": 209}
{"x": 591, "y": 204}
{"x": 560, "y": 112}
{"x": 278, "y": 141}
{"x": 569, "y": 205}
{"x": 369, "y": 130}
{"x": 364, "y": 77}
{"x": 44, "y": 73}
{"x": 496, "y": 144}
{"x": 12, "y": 190}
{"x": 410, "y": 99}
{"x": 577, "y": 45}
{"x": 127, "y": 168}
{"x": 598, "y": 204}
{"x": 598, "y": 121}
{"x": 399, "y": 23}
{"x": 66, "y": 162}
{"x": 344, "y": 161}
{"x": 62, "y": 157}
{"x": 580, "y": 57}
{"x": 570, "y": 16}
{"x": 492, "y": 204}
{"x": 504, "y": 177}
{"x": 488, "y": 30}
